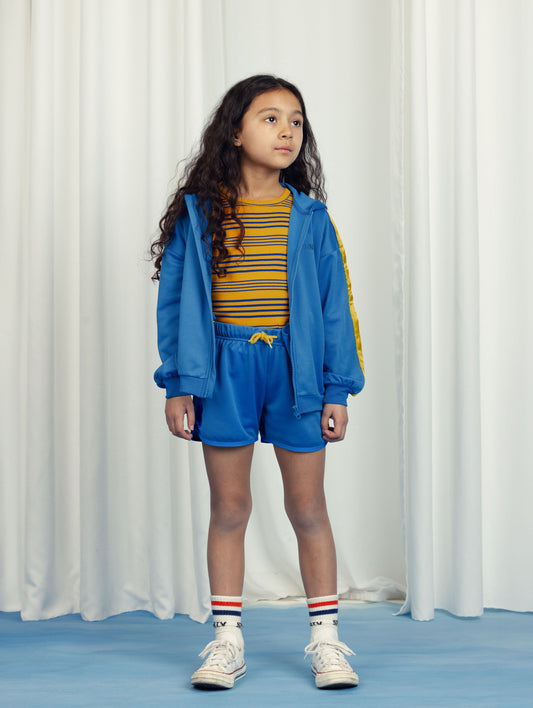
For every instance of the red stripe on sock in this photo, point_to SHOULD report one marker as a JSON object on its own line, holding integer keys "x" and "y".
{"x": 322, "y": 604}
{"x": 218, "y": 603}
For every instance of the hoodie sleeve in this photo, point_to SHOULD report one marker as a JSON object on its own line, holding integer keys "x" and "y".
{"x": 168, "y": 312}
{"x": 343, "y": 356}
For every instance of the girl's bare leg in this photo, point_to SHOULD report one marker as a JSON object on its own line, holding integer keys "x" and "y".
{"x": 228, "y": 471}
{"x": 305, "y": 504}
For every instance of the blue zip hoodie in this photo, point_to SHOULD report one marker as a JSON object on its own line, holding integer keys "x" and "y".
{"x": 322, "y": 336}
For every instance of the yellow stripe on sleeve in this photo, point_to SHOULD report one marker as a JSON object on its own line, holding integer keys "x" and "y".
{"x": 355, "y": 320}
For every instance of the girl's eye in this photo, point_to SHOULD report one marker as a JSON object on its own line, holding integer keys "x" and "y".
{"x": 297, "y": 123}
{"x": 271, "y": 119}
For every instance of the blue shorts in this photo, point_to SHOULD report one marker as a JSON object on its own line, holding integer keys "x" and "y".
{"x": 253, "y": 395}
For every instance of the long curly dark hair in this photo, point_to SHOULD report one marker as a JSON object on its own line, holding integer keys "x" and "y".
{"x": 217, "y": 163}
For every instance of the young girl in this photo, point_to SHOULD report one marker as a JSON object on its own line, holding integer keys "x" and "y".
{"x": 258, "y": 336}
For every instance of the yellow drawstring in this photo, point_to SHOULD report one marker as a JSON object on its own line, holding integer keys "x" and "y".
{"x": 264, "y": 337}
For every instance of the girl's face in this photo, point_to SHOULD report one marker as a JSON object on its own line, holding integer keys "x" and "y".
{"x": 271, "y": 133}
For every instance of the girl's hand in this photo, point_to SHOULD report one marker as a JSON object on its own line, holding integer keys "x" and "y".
{"x": 177, "y": 409}
{"x": 338, "y": 414}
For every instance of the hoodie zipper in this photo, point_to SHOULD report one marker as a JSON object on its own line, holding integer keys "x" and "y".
{"x": 198, "y": 242}
{"x": 303, "y": 234}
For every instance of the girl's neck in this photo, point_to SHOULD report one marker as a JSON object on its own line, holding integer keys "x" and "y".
{"x": 255, "y": 187}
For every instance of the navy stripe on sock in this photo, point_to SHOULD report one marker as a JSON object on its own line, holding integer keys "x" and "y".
{"x": 226, "y": 612}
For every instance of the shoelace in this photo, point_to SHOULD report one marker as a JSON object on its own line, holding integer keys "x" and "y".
{"x": 222, "y": 653}
{"x": 328, "y": 653}
{"x": 264, "y": 337}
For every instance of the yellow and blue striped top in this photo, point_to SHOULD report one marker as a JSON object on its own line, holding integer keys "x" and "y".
{"x": 254, "y": 291}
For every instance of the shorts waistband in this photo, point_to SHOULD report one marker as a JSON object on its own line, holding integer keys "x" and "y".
{"x": 224, "y": 330}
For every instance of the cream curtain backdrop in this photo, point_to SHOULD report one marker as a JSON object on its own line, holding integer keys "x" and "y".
{"x": 101, "y": 510}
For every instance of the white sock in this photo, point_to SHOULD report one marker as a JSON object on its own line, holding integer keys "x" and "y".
{"x": 323, "y": 617}
{"x": 227, "y": 618}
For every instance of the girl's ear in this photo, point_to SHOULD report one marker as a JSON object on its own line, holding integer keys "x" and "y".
{"x": 236, "y": 141}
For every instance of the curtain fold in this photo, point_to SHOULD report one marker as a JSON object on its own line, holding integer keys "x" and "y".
{"x": 13, "y": 331}
{"x": 505, "y": 156}
{"x": 439, "y": 287}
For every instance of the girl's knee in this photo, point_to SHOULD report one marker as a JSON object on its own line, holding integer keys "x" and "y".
{"x": 307, "y": 515}
{"x": 231, "y": 514}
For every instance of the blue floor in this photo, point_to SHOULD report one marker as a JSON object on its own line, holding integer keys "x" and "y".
{"x": 137, "y": 660}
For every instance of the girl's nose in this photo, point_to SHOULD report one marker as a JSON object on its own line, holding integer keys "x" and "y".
{"x": 286, "y": 131}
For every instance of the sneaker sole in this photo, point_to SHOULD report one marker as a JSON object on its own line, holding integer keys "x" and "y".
{"x": 337, "y": 679}
{"x": 214, "y": 680}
